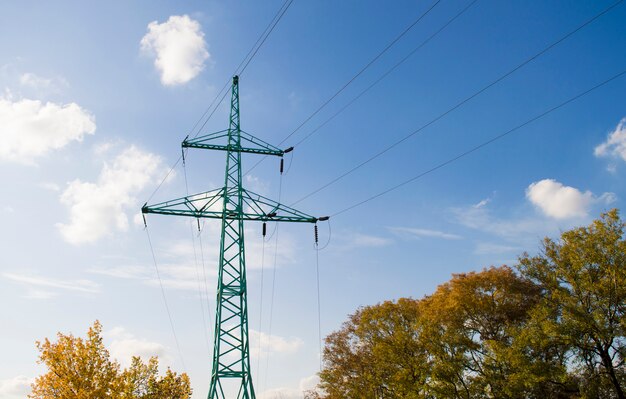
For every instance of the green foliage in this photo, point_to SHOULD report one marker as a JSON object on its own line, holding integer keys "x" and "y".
{"x": 553, "y": 329}
{"x": 584, "y": 278}
{"x": 82, "y": 369}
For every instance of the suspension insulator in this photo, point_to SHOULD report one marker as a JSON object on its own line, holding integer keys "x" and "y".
{"x": 316, "y": 235}
{"x": 282, "y": 165}
{"x": 264, "y": 229}
{"x": 198, "y": 220}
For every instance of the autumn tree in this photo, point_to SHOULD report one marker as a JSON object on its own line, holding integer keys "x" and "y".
{"x": 82, "y": 369}
{"x": 461, "y": 342}
{"x": 553, "y": 328}
{"x": 376, "y": 354}
{"x": 583, "y": 276}
{"x": 475, "y": 333}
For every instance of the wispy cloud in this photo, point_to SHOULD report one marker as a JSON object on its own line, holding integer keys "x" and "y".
{"x": 561, "y": 207}
{"x": 16, "y": 387}
{"x": 179, "y": 276}
{"x": 615, "y": 144}
{"x": 412, "y": 232}
{"x": 488, "y": 248}
{"x": 39, "y": 287}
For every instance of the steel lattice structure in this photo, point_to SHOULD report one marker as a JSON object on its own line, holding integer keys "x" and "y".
{"x": 231, "y": 351}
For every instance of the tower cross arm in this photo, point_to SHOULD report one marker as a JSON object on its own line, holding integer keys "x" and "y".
{"x": 210, "y": 205}
{"x": 248, "y": 144}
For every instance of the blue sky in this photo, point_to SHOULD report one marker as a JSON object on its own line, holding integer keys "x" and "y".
{"x": 94, "y": 102}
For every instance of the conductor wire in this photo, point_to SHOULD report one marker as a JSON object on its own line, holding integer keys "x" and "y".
{"x": 167, "y": 308}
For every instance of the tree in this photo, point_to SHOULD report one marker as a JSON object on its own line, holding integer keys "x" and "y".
{"x": 376, "y": 354}
{"x": 583, "y": 276}
{"x": 555, "y": 328}
{"x": 461, "y": 342}
{"x": 82, "y": 369}
{"x": 467, "y": 340}
{"x": 142, "y": 381}
{"x": 475, "y": 336}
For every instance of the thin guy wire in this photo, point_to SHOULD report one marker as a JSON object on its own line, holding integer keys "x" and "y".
{"x": 353, "y": 78}
{"x": 206, "y": 285}
{"x": 269, "y": 331}
{"x": 484, "y": 144}
{"x": 383, "y": 76}
{"x": 462, "y": 102}
{"x": 258, "y": 361}
{"x": 167, "y": 308}
{"x": 319, "y": 306}
{"x": 197, "y": 267}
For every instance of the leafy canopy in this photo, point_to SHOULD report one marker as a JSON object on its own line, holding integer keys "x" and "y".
{"x": 81, "y": 368}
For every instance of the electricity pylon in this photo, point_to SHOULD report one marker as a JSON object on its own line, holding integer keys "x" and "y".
{"x": 231, "y": 350}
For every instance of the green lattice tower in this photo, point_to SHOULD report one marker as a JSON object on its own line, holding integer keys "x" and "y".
{"x": 233, "y": 204}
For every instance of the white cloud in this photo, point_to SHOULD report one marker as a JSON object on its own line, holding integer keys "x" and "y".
{"x": 98, "y": 209}
{"x": 179, "y": 48}
{"x": 563, "y": 202}
{"x": 39, "y": 287}
{"x": 487, "y": 248}
{"x": 519, "y": 229}
{"x": 615, "y": 144}
{"x": 50, "y": 186}
{"x": 350, "y": 240}
{"x": 16, "y": 387}
{"x": 273, "y": 344}
{"x": 124, "y": 346}
{"x": 482, "y": 203}
{"x": 34, "y": 81}
{"x": 177, "y": 268}
{"x": 180, "y": 276}
{"x": 305, "y": 384}
{"x": 419, "y": 233}
{"x": 30, "y": 129}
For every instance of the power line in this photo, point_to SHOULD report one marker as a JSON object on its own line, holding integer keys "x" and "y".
{"x": 461, "y": 103}
{"x": 197, "y": 267}
{"x": 223, "y": 91}
{"x": 483, "y": 144}
{"x": 319, "y": 306}
{"x": 269, "y": 330}
{"x": 353, "y": 78}
{"x": 280, "y": 15}
{"x": 248, "y": 58}
{"x": 388, "y": 72}
{"x": 167, "y": 308}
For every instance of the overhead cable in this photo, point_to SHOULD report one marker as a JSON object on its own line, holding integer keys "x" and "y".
{"x": 461, "y": 103}
{"x": 353, "y": 78}
{"x": 223, "y": 92}
{"x": 167, "y": 308}
{"x": 387, "y": 73}
{"x": 483, "y": 144}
